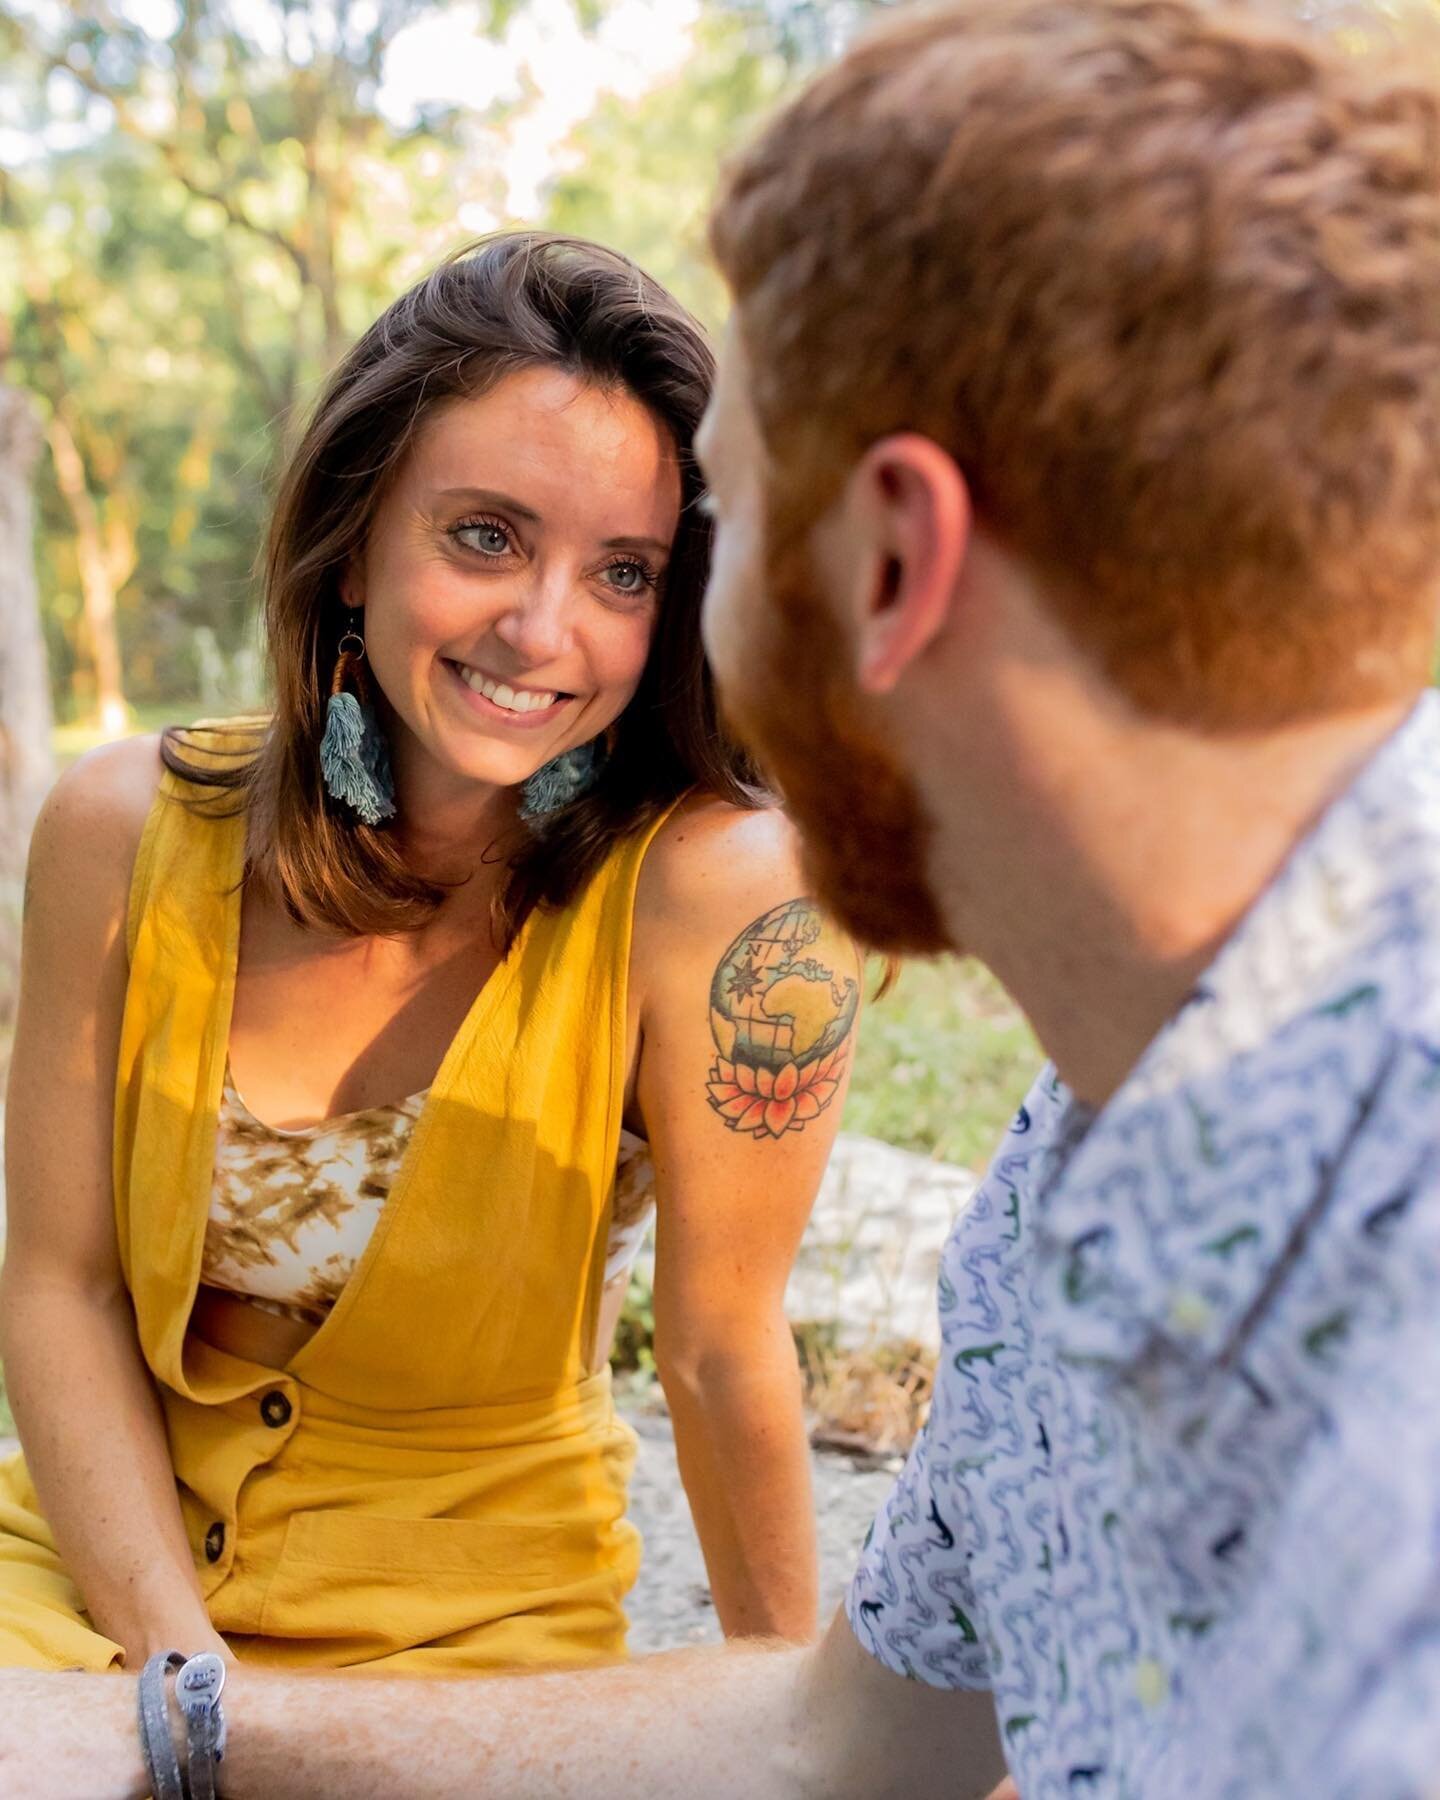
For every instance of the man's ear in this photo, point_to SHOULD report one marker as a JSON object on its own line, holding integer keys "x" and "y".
{"x": 911, "y": 508}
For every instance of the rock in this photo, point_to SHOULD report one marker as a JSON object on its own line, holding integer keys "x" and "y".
{"x": 871, "y": 1254}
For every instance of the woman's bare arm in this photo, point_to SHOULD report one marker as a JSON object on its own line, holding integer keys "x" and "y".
{"x": 83, "y": 1399}
{"x": 732, "y": 1203}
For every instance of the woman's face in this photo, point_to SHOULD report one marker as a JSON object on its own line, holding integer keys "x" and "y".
{"x": 509, "y": 583}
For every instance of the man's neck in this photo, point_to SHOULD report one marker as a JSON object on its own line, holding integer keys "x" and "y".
{"x": 1129, "y": 853}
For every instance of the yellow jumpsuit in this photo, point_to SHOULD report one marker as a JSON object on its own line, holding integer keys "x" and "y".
{"x": 433, "y": 1483}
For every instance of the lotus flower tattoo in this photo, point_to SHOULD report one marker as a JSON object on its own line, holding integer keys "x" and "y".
{"x": 761, "y": 1101}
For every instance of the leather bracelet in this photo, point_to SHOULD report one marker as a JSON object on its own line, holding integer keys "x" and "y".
{"x": 198, "y": 1687}
{"x": 157, "y": 1745}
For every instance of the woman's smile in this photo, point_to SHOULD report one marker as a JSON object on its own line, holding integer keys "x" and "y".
{"x": 506, "y": 703}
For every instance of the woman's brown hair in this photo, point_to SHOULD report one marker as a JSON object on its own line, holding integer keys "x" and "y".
{"x": 515, "y": 301}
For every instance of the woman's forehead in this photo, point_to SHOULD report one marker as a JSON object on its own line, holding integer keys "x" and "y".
{"x": 570, "y": 441}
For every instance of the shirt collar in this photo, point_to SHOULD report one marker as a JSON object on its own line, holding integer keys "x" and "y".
{"x": 1173, "y": 1212}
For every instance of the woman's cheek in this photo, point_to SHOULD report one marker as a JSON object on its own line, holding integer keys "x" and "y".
{"x": 437, "y": 612}
{"x": 627, "y": 655}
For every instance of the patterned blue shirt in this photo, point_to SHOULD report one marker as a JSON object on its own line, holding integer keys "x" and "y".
{"x": 1178, "y": 1500}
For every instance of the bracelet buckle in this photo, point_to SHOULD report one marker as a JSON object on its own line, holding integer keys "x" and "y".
{"x": 197, "y": 1689}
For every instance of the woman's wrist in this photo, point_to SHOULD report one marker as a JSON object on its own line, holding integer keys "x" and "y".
{"x": 175, "y": 1629}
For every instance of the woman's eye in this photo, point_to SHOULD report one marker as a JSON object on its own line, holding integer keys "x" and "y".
{"x": 489, "y": 540}
{"x": 630, "y": 577}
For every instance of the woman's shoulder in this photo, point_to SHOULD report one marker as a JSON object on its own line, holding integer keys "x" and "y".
{"x": 95, "y": 817}
{"x": 88, "y": 834}
{"x": 101, "y": 802}
{"x": 714, "y": 867}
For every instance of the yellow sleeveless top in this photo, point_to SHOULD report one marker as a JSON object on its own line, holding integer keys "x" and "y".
{"x": 433, "y": 1478}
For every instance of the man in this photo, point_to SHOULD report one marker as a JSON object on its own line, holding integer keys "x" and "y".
{"x": 1076, "y": 464}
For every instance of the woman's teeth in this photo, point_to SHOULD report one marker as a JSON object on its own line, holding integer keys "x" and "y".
{"x": 497, "y": 691}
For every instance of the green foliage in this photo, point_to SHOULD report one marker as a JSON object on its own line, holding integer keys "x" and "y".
{"x": 807, "y": 32}
{"x": 942, "y": 1063}
{"x": 645, "y": 172}
{"x": 634, "y": 1349}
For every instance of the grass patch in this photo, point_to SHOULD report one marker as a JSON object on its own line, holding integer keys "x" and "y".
{"x": 942, "y": 1063}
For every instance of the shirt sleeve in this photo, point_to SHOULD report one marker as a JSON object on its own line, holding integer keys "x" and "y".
{"x": 911, "y": 1603}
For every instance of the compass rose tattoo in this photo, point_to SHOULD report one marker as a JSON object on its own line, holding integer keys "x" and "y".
{"x": 783, "y": 1005}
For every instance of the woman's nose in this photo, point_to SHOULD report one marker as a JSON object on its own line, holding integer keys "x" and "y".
{"x": 537, "y": 624}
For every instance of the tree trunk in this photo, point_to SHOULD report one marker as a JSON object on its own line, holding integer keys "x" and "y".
{"x": 97, "y": 581}
{"x": 26, "y": 764}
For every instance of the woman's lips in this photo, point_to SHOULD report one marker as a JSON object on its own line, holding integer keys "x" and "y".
{"x": 497, "y": 709}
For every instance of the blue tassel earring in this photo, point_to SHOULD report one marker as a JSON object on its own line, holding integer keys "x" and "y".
{"x": 354, "y": 761}
{"x": 563, "y": 779}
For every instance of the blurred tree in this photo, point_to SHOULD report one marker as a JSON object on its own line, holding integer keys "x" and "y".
{"x": 233, "y": 210}
{"x": 640, "y": 176}
{"x": 806, "y": 32}
{"x": 271, "y": 125}
{"x": 26, "y": 767}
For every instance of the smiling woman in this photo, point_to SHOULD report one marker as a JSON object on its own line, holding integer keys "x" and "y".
{"x": 510, "y": 623}
{"x": 359, "y": 1043}
{"x": 456, "y": 417}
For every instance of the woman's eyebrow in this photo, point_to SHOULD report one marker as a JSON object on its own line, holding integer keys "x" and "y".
{"x": 638, "y": 543}
{"x": 493, "y": 497}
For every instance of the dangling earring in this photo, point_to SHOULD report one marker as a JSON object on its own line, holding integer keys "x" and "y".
{"x": 354, "y": 761}
{"x": 563, "y": 779}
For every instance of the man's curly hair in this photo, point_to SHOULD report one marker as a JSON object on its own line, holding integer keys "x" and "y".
{"x": 1164, "y": 278}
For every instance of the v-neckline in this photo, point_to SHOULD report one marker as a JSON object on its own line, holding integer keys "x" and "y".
{"x": 480, "y": 1008}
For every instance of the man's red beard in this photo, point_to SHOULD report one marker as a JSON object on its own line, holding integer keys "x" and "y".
{"x": 858, "y": 812}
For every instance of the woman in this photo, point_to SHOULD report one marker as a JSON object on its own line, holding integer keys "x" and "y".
{"x": 335, "y": 1030}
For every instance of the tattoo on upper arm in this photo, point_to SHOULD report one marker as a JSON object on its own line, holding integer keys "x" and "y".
{"x": 783, "y": 1005}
